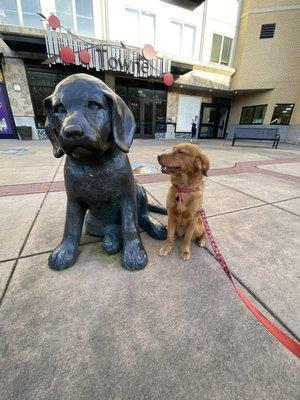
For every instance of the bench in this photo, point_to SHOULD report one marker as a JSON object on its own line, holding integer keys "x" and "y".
{"x": 257, "y": 134}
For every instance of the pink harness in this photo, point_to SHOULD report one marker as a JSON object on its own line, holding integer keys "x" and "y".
{"x": 181, "y": 190}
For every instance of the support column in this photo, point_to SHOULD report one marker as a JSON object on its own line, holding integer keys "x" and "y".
{"x": 109, "y": 79}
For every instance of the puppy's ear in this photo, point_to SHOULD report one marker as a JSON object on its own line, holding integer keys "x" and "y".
{"x": 202, "y": 163}
{"x": 57, "y": 152}
{"x": 122, "y": 121}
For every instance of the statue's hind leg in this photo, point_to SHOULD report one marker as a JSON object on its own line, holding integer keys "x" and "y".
{"x": 153, "y": 227}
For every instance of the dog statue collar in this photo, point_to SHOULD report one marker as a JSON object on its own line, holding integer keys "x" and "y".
{"x": 181, "y": 190}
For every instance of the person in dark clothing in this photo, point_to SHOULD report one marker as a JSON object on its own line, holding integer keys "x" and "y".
{"x": 194, "y": 128}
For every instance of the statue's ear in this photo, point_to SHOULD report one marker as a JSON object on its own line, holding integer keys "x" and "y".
{"x": 121, "y": 121}
{"x": 50, "y": 132}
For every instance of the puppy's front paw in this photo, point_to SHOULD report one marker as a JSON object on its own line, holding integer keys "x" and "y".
{"x": 134, "y": 256}
{"x": 200, "y": 241}
{"x": 63, "y": 257}
{"x": 164, "y": 251}
{"x": 186, "y": 255}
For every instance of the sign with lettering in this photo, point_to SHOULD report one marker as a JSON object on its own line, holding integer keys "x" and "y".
{"x": 102, "y": 56}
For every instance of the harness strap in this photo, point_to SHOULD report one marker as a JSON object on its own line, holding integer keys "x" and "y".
{"x": 284, "y": 339}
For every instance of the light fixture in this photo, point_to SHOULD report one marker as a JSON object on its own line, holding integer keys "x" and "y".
{"x": 181, "y": 85}
{"x": 210, "y": 90}
{"x": 284, "y": 111}
{"x": 236, "y": 92}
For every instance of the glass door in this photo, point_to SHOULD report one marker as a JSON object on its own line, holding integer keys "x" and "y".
{"x": 213, "y": 120}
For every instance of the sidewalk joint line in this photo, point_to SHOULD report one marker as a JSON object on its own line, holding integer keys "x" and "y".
{"x": 259, "y": 301}
{"x": 26, "y": 237}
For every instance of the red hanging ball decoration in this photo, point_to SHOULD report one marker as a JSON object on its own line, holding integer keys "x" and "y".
{"x": 54, "y": 22}
{"x": 67, "y": 55}
{"x": 168, "y": 79}
{"x": 84, "y": 56}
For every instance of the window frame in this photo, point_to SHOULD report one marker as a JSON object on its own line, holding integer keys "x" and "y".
{"x": 20, "y": 15}
{"x": 140, "y": 11}
{"x": 281, "y": 104}
{"x": 74, "y": 16}
{"x": 221, "y": 49}
{"x": 254, "y": 106}
{"x": 182, "y": 24}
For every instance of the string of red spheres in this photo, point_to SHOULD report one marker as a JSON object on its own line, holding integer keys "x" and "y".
{"x": 67, "y": 55}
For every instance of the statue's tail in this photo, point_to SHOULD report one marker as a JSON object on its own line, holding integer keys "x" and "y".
{"x": 157, "y": 208}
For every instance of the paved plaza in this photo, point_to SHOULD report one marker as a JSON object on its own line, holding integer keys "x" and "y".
{"x": 173, "y": 331}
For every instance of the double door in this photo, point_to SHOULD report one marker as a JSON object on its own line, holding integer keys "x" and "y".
{"x": 143, "y": 110}
{"x": 213, "y": 120}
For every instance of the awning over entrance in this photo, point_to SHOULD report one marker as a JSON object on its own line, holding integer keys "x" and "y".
{"x": 32, "y": 44}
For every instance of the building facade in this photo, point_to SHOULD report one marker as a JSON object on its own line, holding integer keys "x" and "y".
{"x": 266, "y": 83}
{"x": 223, "y": 72}
{"x": 179, "y": 34}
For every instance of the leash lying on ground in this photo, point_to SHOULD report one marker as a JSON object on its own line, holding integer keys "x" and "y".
{"x": 284, "y": 339}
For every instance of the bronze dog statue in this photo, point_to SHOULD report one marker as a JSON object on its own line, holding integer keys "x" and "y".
{"x": 93, "y": 126}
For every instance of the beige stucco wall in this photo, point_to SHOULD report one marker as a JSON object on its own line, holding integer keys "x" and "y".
{"x": 268, "y": 63}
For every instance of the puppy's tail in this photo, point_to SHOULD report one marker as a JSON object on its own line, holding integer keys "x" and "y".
{"x": 157, "y": 208}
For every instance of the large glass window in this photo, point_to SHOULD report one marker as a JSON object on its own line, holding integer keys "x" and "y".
{"x": 77, "y": 16}
{"x": 182, "y": 39}
{"x": 140, "y": 27}
{"x": 221, "y": 49}
{"x": 9, "y": 12}
{"x": 29, "y": 10}
{"x": 84, "y": 15}
{"x": 282, "y": 114}
{"x": 253, "y": 115}
{"x": 64, "y": 11}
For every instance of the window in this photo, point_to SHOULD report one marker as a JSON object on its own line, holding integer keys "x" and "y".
{"x": 140, "y": 27}
{"x": 76, "y": 15}
{"x": 282, "y": 114}
{"x": 267, "y": 31}
{"x": 9, "y": 12}
{"x": 21, "y": 12}
{"x": 220, "y": 49}
{"x": 182, "y": 39}
{"x": 253, "y": 115}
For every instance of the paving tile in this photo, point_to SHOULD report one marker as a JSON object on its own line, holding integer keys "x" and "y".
{"x": 25, "y": 174}
{"x": 217, "y": 198}
{"x": 5, "y": 271}
{"x": 49, "y": 226}
{"x": 171, "y": 331}
{"x": 290, "y": 205}
{"x": 261, "y": 246}
{"x": 16, "y": 216}
{"x": 264, "y": 187}
{"x": 289, "y": 168}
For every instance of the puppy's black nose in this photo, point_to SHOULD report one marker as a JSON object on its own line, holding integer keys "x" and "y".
{"x": 72, "y": 131}
{"x": 159, "y": 158}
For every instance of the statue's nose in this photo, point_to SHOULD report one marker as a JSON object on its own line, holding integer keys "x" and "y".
{"x": 73, "y": 131}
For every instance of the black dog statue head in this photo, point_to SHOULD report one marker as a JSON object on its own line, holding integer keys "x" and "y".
{"x": 84, "y": 117}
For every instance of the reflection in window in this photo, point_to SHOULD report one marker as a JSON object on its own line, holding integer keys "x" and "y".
{"x": 132, "y": 27}
{"x": 253, "y": 115}
{"x": 84, "y": 15}
{"x": 221, "y": 49}
{"x": 182, "y": 39}
{"x": 9, "y": 12}
{"x": 78, "y": 19}
{"x": 29, "y": 10}
{"x": 65, "y": 13}
{"x": 140, "y": 27}
{"x": 282, "y": 114}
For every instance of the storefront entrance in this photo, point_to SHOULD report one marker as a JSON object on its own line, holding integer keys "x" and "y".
{"x": 213, "y": 120}
{"x": 148, "y": 103}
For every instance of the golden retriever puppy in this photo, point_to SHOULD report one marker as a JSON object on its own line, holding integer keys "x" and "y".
{"x": 186, "y": 164}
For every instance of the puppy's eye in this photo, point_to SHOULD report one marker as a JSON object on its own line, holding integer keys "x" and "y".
{"x": 93, "y": 105}
{"x": 181, "y": 151}
{"x": 60, "y": 109}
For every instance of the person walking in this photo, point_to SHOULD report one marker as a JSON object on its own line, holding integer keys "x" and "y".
{"x": 194, "y": 128}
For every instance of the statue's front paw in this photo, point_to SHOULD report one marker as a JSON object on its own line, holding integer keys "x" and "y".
{"x": 134, "y": 256}
{"x": 63, "y": 257}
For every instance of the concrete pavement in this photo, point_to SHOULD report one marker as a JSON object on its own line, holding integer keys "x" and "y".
{"x": 172, "y": 331}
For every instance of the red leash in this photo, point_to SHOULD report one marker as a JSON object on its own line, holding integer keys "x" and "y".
{"x": 284, "y": 339}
